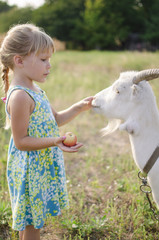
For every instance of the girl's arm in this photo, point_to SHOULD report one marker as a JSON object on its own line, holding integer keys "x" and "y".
{"x": 67, "y": 115}
{"x": 20, "y": 106}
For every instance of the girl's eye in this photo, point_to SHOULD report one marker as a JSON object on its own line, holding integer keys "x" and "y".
{"x": 43, "y": 60}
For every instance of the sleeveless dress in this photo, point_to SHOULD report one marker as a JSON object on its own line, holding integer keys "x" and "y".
{"x": 36, "y": 179}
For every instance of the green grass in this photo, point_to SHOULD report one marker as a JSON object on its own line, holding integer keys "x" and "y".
{"x": 105, "y": 200}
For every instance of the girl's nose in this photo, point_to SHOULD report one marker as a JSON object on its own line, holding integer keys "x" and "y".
{"x": 48, "y": 65}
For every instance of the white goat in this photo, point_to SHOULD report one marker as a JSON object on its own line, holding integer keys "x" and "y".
{"x": 130, "y": 101}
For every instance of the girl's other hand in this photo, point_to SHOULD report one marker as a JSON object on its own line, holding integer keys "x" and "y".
{"x": 59, "y": 143}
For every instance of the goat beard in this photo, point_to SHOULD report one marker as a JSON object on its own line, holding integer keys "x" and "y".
{"x": 112, "y": 126}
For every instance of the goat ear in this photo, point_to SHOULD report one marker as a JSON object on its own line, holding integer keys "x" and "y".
{"x": 135, "y": 89}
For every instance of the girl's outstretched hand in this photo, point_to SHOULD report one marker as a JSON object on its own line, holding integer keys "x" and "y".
{"x": 85, "y": 104}
{"x": 59, "y": 143}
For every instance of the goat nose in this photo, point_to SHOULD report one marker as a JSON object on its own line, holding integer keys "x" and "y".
{"x": 95, "y": 103}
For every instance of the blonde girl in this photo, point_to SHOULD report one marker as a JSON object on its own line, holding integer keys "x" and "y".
{"x": 35, "y": 171}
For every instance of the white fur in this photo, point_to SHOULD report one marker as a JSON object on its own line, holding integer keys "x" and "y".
{"x": 134, "y": 106}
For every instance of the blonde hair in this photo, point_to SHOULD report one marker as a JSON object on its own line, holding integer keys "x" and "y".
{"x": 22, "y": 39}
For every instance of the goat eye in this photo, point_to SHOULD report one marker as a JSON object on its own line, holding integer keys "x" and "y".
{"x": 117, "y": 91}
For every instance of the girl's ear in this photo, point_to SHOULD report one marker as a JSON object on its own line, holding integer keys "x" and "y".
{"x": 18, "y": 61}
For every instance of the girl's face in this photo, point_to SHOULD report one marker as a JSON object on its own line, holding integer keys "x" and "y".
{"x": 37, "y": 67}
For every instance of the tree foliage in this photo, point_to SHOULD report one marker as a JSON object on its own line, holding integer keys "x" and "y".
{"x": 14, "y": 16}
{"x": 90, "y": 24}
{"x": 4, "y": 7}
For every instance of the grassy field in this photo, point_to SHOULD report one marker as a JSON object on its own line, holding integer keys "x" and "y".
{"x": 105, "y": 200}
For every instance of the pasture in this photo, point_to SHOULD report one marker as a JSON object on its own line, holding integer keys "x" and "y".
{"x": 105, "y": 200}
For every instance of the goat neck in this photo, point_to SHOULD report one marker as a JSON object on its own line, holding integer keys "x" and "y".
{"x": 143, "y": 134}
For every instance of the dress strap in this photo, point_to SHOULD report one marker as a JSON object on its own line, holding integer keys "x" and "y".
{"x": 27, "y": 90}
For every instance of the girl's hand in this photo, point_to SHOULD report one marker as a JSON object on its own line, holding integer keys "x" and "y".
{"x": 70, "y": 113}
{"x": 85, "y": 104}
{"x": 59, "y": 143}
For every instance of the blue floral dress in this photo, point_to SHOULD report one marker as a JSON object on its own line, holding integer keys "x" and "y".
{"x": 36, "y": 179}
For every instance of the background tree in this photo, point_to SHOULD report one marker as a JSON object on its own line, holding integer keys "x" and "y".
{"x": 14, "y": 16}
{"x": 59, "y": 17}
{"x": 4, "y": 7}
{"x": 91, "y": 24}
{"x": 120, "y": 18}
{"x": 151, "y": 33}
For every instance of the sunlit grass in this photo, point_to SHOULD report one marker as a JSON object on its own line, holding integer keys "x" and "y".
{"x": 105, "y": 200}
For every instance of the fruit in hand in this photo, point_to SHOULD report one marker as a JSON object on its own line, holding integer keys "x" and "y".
{"x": 70, "y": 139}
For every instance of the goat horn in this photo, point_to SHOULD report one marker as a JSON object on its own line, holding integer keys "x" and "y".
{"x": 147, "y": 75}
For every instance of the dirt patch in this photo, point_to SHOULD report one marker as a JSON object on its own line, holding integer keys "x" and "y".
{"x": 59, "y": 45}
{"x": 47, "y": 233}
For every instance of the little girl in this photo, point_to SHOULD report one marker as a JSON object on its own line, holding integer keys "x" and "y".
{"x": 35, "y": 171}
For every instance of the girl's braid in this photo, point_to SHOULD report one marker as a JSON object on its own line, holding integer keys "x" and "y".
{"x": 5, "y": 78}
